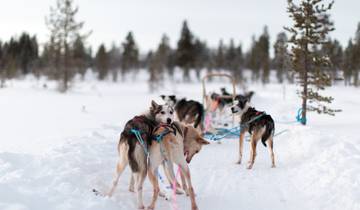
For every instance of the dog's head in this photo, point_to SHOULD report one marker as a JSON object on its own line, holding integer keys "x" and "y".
{"x": 162, "y": 113}
{"x": 193, "y": 142}
{"x": 240, "y": 105}
{"x": 169, "y": 99}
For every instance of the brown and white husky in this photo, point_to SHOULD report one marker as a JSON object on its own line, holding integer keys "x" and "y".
{"x": 133, "y": 152}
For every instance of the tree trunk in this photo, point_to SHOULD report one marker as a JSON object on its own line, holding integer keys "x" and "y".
{"x": 305, "y": 82}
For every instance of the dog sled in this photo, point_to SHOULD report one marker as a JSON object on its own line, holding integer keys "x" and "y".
{"x": 219, "y": 122}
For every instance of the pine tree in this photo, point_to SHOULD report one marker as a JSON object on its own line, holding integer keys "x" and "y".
{"x": 309, "y": 31}
{"x": 252, "y": 60}
{"x": 158, "y": 62}
{"x": 130, "y": 54}
{"x": 80, "y": 58}
{"x": 11, "y": 58}
{"x": 28, "y": 52}
{"x": 238, "y": 71}
{"x": 50, "y": 60}
{"x": 2, "y": 71}
{"x": 231, "y": 56}
{"x": 115, "y": 61}
{"x": 334, "y": 51}
{"x": 264, "y": 55}
{"x": 163, "y": 53}
{"x": 185, "y": 58}
{"x": 102, "y": 62}
{"x": 220, "y": 56}
{"x": 202, "y": 54}
{"x": 349, "y": 62}
{"x": 64, "y": 30}
{"x": 281, "y": 61}
{"x": 356, "y": 57}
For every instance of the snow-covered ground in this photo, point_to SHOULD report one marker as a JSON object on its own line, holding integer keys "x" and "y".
{"x": 55, "y": 148}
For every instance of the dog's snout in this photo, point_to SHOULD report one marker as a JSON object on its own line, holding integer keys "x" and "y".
{"x": 169, "y": 120}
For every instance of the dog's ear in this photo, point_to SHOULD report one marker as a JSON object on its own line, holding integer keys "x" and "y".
{"x": 162, "y": 96}
{"x": 249, "y": 95}
{"x": 202, "y": 141}
{"x": 154, "y": 105}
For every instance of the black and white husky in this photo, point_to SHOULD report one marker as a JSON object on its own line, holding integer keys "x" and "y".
{"x": 187, "y": 111}
{"x": 131, "y": 151}
{"x": 259, "y": 125}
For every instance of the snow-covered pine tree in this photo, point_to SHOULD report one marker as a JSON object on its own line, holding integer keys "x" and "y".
{"x": 309, "y": 32}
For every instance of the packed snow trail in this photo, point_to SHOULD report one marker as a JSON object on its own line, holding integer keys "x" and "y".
{"x": 56, "y": 148}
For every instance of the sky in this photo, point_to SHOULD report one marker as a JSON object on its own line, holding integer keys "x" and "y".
{"x": 211, "y": 20}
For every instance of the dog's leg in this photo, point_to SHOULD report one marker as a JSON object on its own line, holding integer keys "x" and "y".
{"x": 139, "y": 180}
{"x": 122, "y": 163}
{"x": 271, "y": 150}
{"x": 132, "y": 183}
{"x": 186, "y": 171}
{"x": 170, "y": 175}
{"x": 154, "y": 181}
{"x": 253, "y": 143}
{"x": 241, "y": 146}
{"x": 184, "y": 185}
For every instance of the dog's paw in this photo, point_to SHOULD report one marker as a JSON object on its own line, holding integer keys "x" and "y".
{"x": 179, "y": 191}
{"x": 273, "y": 166}
{"x": 238, "y": 162}
{"x": 141, "y": 207}
{"x": 249, "y": 166}
{"x": 194, "y": 207}
{"x": 162, "y": 194}
{"x": 151, "y": 207}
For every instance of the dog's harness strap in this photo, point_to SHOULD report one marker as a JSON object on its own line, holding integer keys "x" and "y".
{"x": 159, "y": 138}
{"x": 246, "y": 124}
{"x": 137, "y": 134}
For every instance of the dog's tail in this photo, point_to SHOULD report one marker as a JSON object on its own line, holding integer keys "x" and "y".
{"x": 131, "y": 141}
{"x": 269, "y": 130}
{"x": 200, "y": 115}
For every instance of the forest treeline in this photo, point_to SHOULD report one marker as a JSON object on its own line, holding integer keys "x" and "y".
{"x": 23, "y": 55}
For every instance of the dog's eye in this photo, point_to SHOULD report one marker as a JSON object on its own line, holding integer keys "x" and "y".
{"x": 171, "y": 112}
{"x": 162, "y": 112}
{"x": 197, "y": 151}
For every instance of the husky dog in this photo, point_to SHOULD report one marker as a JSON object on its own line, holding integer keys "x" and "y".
{"x": 187, "y": 111}
{"x": 131, "y": 151}
{"x": 171, "y": 148}
{"x": 192, "y": 143}
{"x": 259, "y": 125}
{"x": 224, "y": 99}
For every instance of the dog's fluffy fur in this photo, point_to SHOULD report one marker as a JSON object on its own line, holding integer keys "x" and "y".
{"x": 262, "y": 128}
{"x": 187, "y": 111}
{"x": 132, "y": 152}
